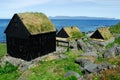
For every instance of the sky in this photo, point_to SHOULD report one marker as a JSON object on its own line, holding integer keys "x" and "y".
{"x": 91, "y": 8}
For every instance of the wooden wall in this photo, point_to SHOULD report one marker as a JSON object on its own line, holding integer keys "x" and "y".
{"x": 33, "y": 47}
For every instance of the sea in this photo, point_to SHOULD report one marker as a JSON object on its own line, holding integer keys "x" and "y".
{"x": 83, "y": 25}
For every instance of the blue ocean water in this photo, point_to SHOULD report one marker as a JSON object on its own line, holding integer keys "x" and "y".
{"x": 3, "y": 25}
{"x": 84, "y": 25}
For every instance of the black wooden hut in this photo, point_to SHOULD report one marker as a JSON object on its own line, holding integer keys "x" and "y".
{"x": 30, "y": 35}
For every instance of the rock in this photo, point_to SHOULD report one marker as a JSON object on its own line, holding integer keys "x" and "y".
{"x": 91, "y": 68}
{"x": 83, "y": 62}
{"x": 112, "y": 52}
{"x": 90, "y": 48}
{"x": 103, "y": 43}
{"x": 90, "y": 54}
{"x": 72, "y": 73}
{"x": 22, "y": 64}
{"x": 109, "y": 53}
{"x": 81, "y": 45}
{"x": 86, "y": 47}
{"x": 106, "y": 65}
{"x": 118, "y": 50}
{"x": 62, "y": 56}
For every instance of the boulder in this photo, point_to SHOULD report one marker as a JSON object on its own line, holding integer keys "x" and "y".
{"x": 83, "y": 62}
{"x": 96, "y": 68}
{"x": 62, "y": 56}
{"x": 91, "y": 68}
{"x": 106, "y": 65}
{"x": 118, "y": 50}
{"x": 90, "y": 48}
{"x": 109, "y": 53}
{"x": 86, "y": 47}
{"x": 81, "y": 45}
{"x": 93, "y": 54}
{"x": 112, "y": 52}
{"x": 72, "y": 73}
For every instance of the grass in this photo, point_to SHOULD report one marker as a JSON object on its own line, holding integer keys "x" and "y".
{"x": 115, "y": 28}
{"x": 55, "y": 69}
{"x": 8, "y": 72}
{"x": 117, "y": 41}
{"x": 76, "y": 35}
{"x": 2, "y": 49}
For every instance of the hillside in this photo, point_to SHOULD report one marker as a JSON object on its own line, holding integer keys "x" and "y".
{"x": 85, "y": 59}
{"x": 115, "y": 28}
{"x": 66, "y": 63}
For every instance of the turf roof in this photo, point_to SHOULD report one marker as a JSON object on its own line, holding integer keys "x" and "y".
{"x": 72, "y": 29}
{"x": 105, "y": 33}
{"x": 36, "y": 22}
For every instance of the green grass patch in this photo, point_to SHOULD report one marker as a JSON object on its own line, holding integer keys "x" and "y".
{"x": 100, "y": 59}
{"x": 54, "y": 70}
{"x": 8, "y": 72}
{"x": 71, "y": 78}
{"x": 2, "y": 49}
{"x": 115, "y": 28}
{"x": 110, "y": 45}
{"x": 117, "y": 41}
{"x": 72, "y": 54}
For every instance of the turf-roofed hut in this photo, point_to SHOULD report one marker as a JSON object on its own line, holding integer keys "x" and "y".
{"x": 72, "y": 32}
{"x": 102, "y": 34}
{"x": 30, "y": 35}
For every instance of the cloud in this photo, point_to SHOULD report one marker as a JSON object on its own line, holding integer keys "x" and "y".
{"x": 15, "y": 4}
{"x": 21, "y": 3}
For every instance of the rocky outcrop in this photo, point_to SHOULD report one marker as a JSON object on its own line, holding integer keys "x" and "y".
{"x": 83, "y": 62}
{"x": 103, "y": 43}
{"x": 93, "y": 54}
{"x": 86, "y": 47}
{"x": 112, "y": 52}
{"x": 88, "y": 66}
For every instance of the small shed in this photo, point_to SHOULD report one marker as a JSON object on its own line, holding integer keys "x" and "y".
{"x": 70, "y": 32}
{"x": 30, "y": 35}
{"x": 102, "y": 33}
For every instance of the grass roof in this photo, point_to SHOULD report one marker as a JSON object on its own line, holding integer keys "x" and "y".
{"x": 73, "y": 32}
{"x": 36, "y": 22}
{"x": 105, "y": 33}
